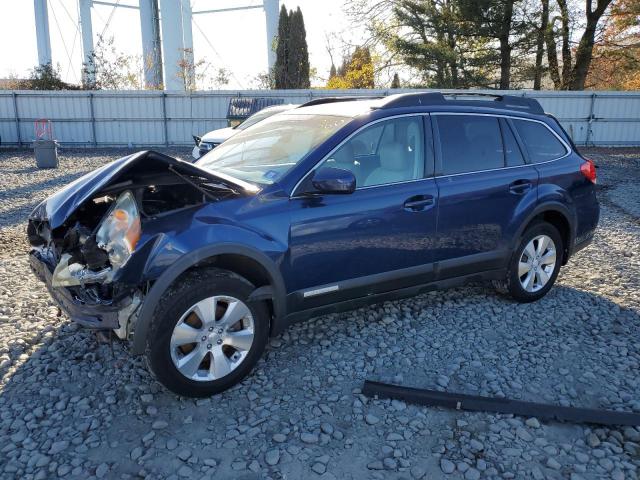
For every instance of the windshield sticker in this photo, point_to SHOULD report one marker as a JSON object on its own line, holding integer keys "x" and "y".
{"x": 270, "y": 175}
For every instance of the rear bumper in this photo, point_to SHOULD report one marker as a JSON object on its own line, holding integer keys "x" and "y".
{"x": 96, "y": 316}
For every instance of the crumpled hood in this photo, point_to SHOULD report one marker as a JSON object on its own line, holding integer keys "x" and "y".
{"x": 61, "y": 205}
{"x": 219, "y": 136}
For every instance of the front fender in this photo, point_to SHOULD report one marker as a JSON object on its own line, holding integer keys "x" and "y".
{"x": 188, "y": 260}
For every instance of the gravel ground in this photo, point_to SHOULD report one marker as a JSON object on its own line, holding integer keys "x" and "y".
{"x": 73, "y": 407}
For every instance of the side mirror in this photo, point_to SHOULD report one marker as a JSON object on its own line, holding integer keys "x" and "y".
{"x": 333, "y": 180}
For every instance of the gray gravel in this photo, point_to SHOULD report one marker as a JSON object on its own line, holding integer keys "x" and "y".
{"x": 73, "y": 407}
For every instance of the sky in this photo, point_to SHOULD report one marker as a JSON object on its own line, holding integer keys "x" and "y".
{"x": 233, "y": 40}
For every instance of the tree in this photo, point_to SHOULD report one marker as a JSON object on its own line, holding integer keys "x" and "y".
{"x": 540, "y": 36}
{"x": 281, "y": 78}
{"x": 112, "y": 69}
{"x": 497, "y": 20}
{"x": 292, "y": 68}
{"x": 298, "y": 60}
{"x": 433, "y": 37}
{"x": 616, "y": 57}
{"x": 45, "y": 77}
{"x": 575, "y": 66}
{"x": 395, "y": 83}
{"x": 356, "y": 71}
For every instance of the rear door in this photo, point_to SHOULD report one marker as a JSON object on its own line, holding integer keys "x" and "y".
{"x": 485, "y": 189}
{"x": 378, "y": 238}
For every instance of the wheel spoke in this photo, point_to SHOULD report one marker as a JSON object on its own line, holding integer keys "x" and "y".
{"x": 241, "y": 340}
{"x": 543, "y": 277}
{"x": 184, "y": 334}
{"x": 206, "y": 310}
{"x": 549, "y": 258}
{"x": 523, "y": 267}
{"x": 543, "y": 241}
{"x": 530, "y": 250}
{"x": 190, "y": 363}
{"x": 529, "y": 281}
{"x": 220, "y": 365}
{"x": 235, "y": 311}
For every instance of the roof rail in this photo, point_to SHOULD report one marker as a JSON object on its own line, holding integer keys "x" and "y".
{"x": 510, "y": 102}
{"x": 322, "y": 100}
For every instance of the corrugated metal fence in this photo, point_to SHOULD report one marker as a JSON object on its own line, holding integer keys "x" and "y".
{"x": 157, "y": 118}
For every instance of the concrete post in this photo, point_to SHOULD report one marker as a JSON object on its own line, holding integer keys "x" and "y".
{"x": 42, "y": 32}
{"x": 86, "y": 27}
{"x": 187, "y": 42}
{"x": 172, "y": 46}
{"x": 272, "y": 11}
{"x": 151, "y": 48}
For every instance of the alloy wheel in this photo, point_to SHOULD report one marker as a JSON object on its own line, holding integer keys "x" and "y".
{"x": 212, "y": 338}
{"x": 537, "y": 263}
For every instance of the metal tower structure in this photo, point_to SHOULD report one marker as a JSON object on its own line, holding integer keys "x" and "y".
{"x": 167, "y": 37}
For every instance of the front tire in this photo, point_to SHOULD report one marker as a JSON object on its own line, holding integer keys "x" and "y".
{"x": 206, "y": 336}
{"x": 535, "y": 264}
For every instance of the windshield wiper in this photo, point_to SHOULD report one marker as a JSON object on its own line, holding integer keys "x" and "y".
{"x": 195, "y": 184}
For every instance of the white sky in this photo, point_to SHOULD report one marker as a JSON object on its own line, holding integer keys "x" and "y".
{"x": 239, "y": 38}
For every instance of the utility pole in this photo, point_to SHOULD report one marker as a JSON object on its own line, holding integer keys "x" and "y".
{"x": 151, "y": 46}
{"x": 86, "y": 27}
{"x": 42, "y": 32}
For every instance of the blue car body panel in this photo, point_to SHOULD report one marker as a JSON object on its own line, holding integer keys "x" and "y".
{"x": 356, "y": 246}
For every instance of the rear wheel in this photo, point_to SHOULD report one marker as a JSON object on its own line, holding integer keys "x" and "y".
{"x": 207, "y": 336}
{"x": 534, "y": 265}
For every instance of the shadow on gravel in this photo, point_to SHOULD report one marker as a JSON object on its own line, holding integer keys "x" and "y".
{"x": 105, "y": 404}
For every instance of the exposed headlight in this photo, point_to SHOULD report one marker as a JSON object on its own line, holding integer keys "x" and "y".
{"x": 120, "y": 230}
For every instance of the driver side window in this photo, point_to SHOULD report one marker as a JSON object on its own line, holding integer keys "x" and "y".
{"x": 387, "y": 152}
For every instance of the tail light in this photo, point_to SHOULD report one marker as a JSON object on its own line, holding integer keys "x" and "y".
{"x": 588, "y": 169}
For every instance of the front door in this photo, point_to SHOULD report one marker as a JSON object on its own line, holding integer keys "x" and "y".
{"x": 378, "y": 238}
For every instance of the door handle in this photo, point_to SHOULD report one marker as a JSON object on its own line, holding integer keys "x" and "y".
{"x": 520, "y": 187}
{"x": 418, "y": 203}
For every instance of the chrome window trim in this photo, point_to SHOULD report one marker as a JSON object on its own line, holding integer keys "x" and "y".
{"x": 498, "y": 115}
{"x": 495, "y": 115}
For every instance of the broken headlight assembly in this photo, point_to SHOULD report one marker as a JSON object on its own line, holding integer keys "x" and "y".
{"x": 117, "y": 235}
{"x": 120, "y": 230}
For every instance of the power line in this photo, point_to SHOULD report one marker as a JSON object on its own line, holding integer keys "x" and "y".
{"x": 64, "y": 44}
{"x": 215, "y": 51}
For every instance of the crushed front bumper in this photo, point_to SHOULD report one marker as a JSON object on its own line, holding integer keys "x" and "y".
{"x": 98, "y": 316}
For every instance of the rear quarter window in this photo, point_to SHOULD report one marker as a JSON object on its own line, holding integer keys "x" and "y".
{"x": 541, "y": 144}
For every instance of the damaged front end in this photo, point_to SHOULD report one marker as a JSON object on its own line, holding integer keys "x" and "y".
{"x": 88, "y": 241}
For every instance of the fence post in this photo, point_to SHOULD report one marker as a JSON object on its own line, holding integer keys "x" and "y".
{"x": 93, "y": 120}
{"x": 590, "y": 120}
{"x": 164, "y": 119}
{"x": 17, "y": 117}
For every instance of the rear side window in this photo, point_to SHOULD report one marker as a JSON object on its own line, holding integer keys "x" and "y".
{"x": 469, "y": 143}
{"x": 541, "y": 144}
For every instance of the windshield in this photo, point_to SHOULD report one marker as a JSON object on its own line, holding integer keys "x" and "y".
{"x": 255, "y": 118}
{"x": 266, "y": 151}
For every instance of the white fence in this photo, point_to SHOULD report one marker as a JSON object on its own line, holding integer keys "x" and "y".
{"x": 156, "y": 118}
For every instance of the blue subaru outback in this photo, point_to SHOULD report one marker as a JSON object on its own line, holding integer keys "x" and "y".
{"x": 330, "y": 206}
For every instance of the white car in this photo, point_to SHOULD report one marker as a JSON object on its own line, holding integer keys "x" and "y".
{"x": 211, "y": 140}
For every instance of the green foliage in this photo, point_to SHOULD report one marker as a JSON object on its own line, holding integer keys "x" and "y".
{"x": 43, "y": 77}
{"x": 356, "y": 71}
{"x": 292, "y": 55}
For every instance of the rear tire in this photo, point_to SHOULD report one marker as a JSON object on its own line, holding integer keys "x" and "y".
{"x": 534, "y": 265}
{"x": 206, "y": 336}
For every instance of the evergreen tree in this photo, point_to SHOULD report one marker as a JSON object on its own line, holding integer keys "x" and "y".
{"x": 280, "y": 73}
{"x": 395, "y": 83}
{"x": 298, "y": 61}
{"x": 332, "y": 72}
{"x": 292, "y": 54}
